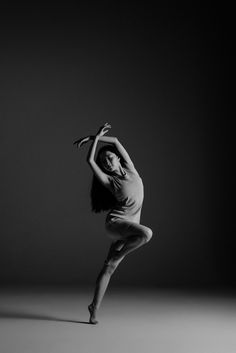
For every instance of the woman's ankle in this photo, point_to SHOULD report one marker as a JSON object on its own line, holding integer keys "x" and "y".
{"x": 93, "y": 306}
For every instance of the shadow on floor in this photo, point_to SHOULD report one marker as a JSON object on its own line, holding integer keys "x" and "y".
{"x": 8, "y": 314}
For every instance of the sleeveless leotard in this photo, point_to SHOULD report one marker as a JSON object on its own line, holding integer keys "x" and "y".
{"x": 129, "y": 193}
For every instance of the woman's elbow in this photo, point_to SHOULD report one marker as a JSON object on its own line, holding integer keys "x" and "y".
{"x": 90, "y": 160}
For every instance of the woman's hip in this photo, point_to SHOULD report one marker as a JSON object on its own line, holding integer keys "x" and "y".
{"x": 116, "y": 228}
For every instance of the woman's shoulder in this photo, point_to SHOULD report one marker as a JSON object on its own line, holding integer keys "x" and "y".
{"x": 130, "y": 168}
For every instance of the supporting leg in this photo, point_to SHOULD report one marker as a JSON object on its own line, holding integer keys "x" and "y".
{"x": 103, "y": 280}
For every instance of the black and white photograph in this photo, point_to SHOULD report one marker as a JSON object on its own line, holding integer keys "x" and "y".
{"x": 117, "y": 191}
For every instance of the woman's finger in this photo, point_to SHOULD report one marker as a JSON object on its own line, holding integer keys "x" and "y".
{"x": 107, "y": 127}
{"x": 76, "y": 141}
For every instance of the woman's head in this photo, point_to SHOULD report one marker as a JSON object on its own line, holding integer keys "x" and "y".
{"x": 108, "y": 159}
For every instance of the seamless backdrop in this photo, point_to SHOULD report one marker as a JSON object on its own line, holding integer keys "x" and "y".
{"x": 160, "y": 78}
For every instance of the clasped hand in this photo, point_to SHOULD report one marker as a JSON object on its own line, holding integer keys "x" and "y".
{"x": 102, "y": 131}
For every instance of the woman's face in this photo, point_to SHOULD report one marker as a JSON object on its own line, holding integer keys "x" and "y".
{"x": 110, "y": 161}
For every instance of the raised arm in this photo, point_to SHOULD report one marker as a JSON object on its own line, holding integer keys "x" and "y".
{"x": 120, "y": 148}
{"x": 92, "y": 150}
{"x": 103, "y": 177}
{"x": 81, "y": 141}
{"x": 108, "y": 139}
{"x": 124, "y": 154}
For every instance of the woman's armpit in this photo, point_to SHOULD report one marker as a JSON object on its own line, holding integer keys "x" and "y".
{"x": 130, "y": 167}
{"x": 110, "y": 186}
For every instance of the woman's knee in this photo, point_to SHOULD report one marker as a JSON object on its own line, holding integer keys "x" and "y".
{"x": 145, "y": 234}
{"x": 148, "y": 234}
{"x": 141, "y": 231}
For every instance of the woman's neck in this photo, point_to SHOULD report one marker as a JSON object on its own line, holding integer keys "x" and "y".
{"x": 120, "y": 171}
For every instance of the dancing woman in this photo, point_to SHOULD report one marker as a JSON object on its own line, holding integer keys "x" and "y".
{"x": 116, "y": 187}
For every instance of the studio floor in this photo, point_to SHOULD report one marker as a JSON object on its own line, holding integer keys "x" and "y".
{"x": 55, "y": 320}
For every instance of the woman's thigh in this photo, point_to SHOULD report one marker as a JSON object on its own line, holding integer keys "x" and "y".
{"x": 122, "y": 229}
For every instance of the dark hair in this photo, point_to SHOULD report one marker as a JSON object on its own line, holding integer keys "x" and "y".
{"x": 101, "y": 198}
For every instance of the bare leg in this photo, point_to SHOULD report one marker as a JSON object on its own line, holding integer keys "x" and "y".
{"x": 117, "y": 252}
{"x": 115, "y": 246}
{"x": 103, "y": 280}
{"x": 131, "y": 243}
{"x": 133, "y": 236}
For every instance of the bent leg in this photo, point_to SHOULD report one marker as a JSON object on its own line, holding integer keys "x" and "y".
{"x": 132, "y": 243}
{"x": 134, "y": 235}
{"x": 115, "y": 246}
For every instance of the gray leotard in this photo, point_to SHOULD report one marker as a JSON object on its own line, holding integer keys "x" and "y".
{"x": 129, "y": 192}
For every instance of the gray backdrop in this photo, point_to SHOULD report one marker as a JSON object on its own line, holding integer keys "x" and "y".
{"x": 159, "y": 77}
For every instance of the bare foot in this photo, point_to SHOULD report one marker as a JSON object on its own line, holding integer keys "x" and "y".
{"x": 92, "y": 311}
